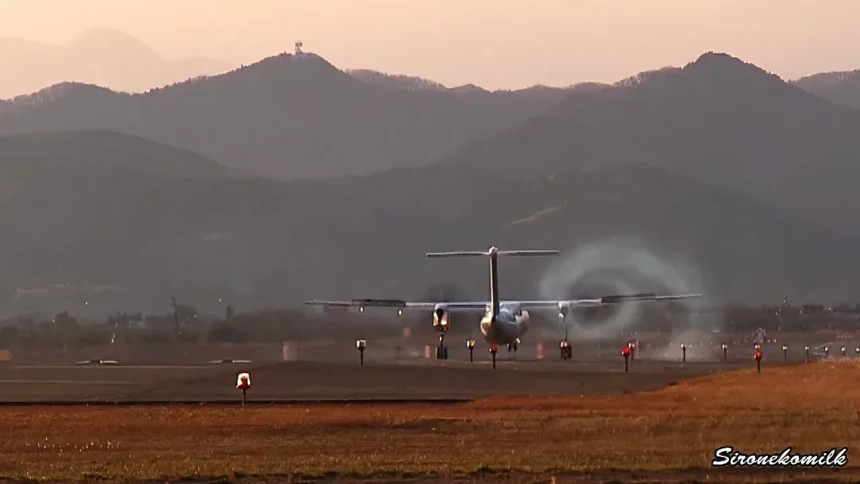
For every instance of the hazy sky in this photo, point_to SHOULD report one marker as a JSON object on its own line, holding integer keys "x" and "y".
{"x": 492, "y": 43}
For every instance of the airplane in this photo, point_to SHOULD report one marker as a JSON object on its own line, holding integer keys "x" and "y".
{"x": 504, "y": 322}
{"x": 97, "y": 361}
{"x": 228, "y": 361}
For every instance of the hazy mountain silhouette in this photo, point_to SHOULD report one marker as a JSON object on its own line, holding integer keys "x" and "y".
{"x": 286, "y": 116}
{"x": 842, "y": 88}
{"x": 103, "y": 153}
{"x": 103, "y": 208}
{"x": 104, "y": 57}
{"x": 718, "y": 120}
{"x": 396, "y": 81}
{"x": 414, "y": 83}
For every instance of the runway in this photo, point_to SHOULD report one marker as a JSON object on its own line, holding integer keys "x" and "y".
{"x": 305, "y": 381}
{"x": 234, "y": 402}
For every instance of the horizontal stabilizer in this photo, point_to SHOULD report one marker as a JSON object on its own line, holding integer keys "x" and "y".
{"x": 529, "y": 252}
{"x": 491, "y": 251}
{"x": 466, "y": 253}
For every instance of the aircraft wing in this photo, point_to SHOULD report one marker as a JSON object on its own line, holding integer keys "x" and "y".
{"x": 476, "y": 306}
{"x": 601, "y": 301}
{"x": 481, "y": 306}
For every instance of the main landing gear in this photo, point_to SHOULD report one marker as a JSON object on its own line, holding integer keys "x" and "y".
{"x": 441, "y": 350}
{"x": 566, "y": 350}
{"x": 564, "y": 345}
{"x": 512, "y": 347}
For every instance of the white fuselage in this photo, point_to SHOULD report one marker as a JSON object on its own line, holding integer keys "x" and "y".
{"x": 507, "y": 327}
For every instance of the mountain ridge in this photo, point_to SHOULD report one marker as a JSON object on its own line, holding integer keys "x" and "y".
{"x": 839, "y": 87}
{"x": 92, "y": 57}
{"x": 266, "y": 243}
{"x": 285, "y": 116}
{"x": 745, "y": 130}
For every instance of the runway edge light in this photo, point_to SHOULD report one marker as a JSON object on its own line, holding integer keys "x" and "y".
{"x": 758, "y": 357}
{"x": 360, "y": 345}
{"x": 625, "y": 352}
{"x": 243, "y": 382}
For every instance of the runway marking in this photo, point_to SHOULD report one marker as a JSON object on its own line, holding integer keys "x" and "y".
{"x": 73, "y": 382}
{"x": 148, "y": 367}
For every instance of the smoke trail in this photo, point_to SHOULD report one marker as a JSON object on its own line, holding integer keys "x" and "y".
{"x": 622, "y": 266}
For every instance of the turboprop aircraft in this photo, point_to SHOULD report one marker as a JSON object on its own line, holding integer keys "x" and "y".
{"x": 504, "y": 322}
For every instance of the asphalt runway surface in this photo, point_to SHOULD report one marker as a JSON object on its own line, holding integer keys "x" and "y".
{"x": 404, "y": 379}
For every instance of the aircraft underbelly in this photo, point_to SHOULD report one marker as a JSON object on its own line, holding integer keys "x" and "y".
{"x": 500, "y": 332}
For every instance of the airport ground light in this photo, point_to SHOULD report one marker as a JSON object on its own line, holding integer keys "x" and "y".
{"x": 806, "y": 348}
{"x": 471, "y": 345}
{"x": 683, "y": 353}
{"x": 625, "y": 352}
{"x": 843, "y": 351}
{"x": 758, "y": 357}
{"x": 785, "y": 353}
{"x": 360, "y": 345}
{"x": 725, "y": 352}
{"x": 826, "y": 351}
{"x": 493, "y": 350}
{"x": 243, "y": 382}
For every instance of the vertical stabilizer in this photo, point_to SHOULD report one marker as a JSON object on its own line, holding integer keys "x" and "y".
{"x": 494, "y": 253}
{"x": 494, "y": 283}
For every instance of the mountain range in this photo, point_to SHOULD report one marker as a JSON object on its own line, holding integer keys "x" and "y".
{"x": 288, "y": 116}
{"x": 157, "y": 221}
{"x": 718, "y": 120}
{"x": 841, "y": 88}
{"x": 101, "y": 56}
{"x": 200, "y": 189}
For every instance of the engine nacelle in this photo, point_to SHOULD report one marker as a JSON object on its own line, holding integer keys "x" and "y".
{"x": 441, "y": 319}
{"x": 563, "y": 310}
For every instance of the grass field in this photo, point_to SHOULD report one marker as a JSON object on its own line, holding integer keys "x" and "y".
{"x": 669, "y": 433}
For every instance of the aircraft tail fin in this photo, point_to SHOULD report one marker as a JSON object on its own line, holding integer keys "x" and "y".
{"x": 493, "y": 254}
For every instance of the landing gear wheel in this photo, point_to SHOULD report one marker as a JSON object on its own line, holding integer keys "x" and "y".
{"x": 441, "y": 352}
{"x": 566, "y": 351}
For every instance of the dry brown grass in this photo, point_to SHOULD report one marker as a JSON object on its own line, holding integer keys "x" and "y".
{"x": 810, "y": 407}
